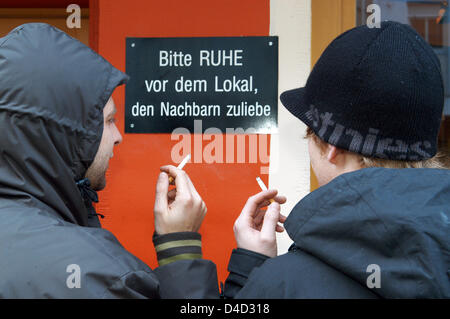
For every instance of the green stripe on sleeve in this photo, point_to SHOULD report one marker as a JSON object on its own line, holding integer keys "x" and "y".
{"x": 178, "y": 243}
{"x": 169, "y": 260}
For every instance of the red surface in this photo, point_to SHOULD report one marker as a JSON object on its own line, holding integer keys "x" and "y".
{"x": 93, "y": 24}
{"x": 127, "y": 202}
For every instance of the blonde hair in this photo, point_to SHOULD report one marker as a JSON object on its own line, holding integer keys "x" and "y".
{"x": 438, "y": 161}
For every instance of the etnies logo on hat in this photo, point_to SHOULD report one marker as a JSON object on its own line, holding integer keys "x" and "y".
{"x": 322, "y": 125}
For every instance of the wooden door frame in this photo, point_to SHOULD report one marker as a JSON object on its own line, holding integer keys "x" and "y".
{"x": 329, "y": 18}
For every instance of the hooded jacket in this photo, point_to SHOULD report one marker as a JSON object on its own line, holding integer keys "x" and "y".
{"x": 371, "y": 233}
{"x": 52, "y": 93}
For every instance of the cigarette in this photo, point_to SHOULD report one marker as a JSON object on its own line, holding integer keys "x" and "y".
{"x": 263, "y": 186}
{"x": 180, "y": 166}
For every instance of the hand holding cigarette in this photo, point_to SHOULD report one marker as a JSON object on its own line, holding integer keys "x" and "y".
{"x": 255, "y": 227}
{"x": 180, "y": 209}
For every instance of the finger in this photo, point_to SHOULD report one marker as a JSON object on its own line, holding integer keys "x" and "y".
{"x": 172, "y": 194}
{"x": 264, "y": 204}
{"x": 279, "y": 199}
{"x": 254, "y": 201}
{"x": 259, "y": 215}
{"x": 162, "y": 186}
{"x": 180, "y": 178}
{"x": 169, "y": 169}
{"x": 195, "y": 195}
{"x": 270, "y": 220}
{"x": 258, "y": 219}
{"x": 279, "y": 229}
{"x": 192, "y": 187}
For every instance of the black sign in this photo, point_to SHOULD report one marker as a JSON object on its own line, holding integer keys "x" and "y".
{"x": 227, "y": 83}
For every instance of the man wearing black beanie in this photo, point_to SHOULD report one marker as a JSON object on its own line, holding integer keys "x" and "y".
{"x": 378, "y": 225}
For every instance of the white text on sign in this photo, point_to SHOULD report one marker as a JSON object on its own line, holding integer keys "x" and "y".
{"x": 206, "y": 58}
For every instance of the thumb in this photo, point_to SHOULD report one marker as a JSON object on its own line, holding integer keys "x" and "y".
{"x": 271, "y": 218}
{"x": 162, "y": 188}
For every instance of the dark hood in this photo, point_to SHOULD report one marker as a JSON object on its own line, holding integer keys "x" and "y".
{"x": 52, "y": 92}
{"x": 398, "y": 219}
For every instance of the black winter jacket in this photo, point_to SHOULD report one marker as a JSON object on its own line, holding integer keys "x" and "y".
{"x": 372, "y": 233}
{"x": 52, "y": 93}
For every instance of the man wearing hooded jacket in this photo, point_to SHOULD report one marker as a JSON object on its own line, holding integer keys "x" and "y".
{"x": 379, "y": 224}
{"x": 57, "y": 136}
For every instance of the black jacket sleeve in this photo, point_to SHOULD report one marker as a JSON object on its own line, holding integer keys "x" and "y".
{"x": 182, "y": 273}
{"x": 241, "y": 264}
{"x": 188, "y": 279}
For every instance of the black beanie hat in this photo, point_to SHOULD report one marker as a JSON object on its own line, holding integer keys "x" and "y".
{"x": 377, "y": 92}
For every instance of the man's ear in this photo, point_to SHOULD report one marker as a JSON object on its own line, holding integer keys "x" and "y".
{"x": 332, "y": 153}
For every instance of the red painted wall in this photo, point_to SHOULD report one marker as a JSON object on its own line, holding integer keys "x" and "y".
{"x": 127, "y": 202}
